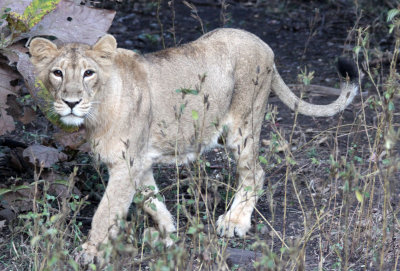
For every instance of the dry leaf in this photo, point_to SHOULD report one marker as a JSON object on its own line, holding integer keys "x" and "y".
{"x": 45, "y": 156}
{"x": 73, "y": 23}
{"x": 15, "y": 5}
{"x": 71, "y": 140}
{"x": 59, "y": 185}
{"x": 19, "y": 200}
{"x": 11, "y": 51}
{"x": 25, "y": 67}
{"x": 7, "y": 75}
{"x": 85, "y": 147}
{"x": 29, "y": 115}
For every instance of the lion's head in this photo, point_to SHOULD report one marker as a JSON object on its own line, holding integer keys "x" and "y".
{"x": 73, "y": 74}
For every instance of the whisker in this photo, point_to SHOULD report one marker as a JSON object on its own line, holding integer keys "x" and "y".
{"x": 51, "y": 111}
{"x": 90, "y": 116}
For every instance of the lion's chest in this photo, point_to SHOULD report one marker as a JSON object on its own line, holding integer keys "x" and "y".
{"x": 109, "y": 150}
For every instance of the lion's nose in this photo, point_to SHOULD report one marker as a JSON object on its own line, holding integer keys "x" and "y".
{"x": 72, "y": 104}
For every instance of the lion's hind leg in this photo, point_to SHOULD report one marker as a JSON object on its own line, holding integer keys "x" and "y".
{"x": 243, "y": 140}
{"x": 250, "y": 177}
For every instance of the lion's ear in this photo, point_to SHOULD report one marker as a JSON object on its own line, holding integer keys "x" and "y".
{"x": 42, "y": 50}
{"x": 106, "y": 44}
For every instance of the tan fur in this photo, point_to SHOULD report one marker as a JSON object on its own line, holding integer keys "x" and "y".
{"x": 134, "y": 116}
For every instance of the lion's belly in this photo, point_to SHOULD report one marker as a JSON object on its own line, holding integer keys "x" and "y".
{"x": 182, "y": 152}
{"x": 183, "y": 143}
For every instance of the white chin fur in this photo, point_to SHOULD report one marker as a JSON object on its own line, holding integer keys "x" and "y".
{"x": 72, "y": 120}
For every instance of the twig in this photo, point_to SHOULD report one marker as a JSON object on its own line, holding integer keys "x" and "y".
{"x": 195, "y": 14}
{"x": 160, "y": 23}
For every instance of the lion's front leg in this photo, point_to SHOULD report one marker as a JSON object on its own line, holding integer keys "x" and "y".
{"x": 158, "y": 211}
{"x": 113, "y": 206}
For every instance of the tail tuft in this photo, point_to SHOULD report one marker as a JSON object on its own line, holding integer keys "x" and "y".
{"x": 347, "y": 68}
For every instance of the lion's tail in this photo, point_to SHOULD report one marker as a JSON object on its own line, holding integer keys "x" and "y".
{"x": 348, "y": 92}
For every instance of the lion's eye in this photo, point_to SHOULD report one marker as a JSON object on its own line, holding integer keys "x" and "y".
{"x": 58, "y": 73}
{"x": 88, "y": 73}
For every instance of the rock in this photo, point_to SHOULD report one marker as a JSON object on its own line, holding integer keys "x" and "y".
{"x": 242, "y": 258}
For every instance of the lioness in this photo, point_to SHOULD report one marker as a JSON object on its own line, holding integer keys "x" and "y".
{"x": 139, "y": 110}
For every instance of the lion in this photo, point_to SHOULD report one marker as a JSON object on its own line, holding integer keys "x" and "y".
{"x": 169, "y": 107}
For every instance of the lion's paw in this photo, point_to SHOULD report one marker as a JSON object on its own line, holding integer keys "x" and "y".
{"x": 153, "y": 236}
{"x": 229, "y": 225}
{"x": 88, "y": 255}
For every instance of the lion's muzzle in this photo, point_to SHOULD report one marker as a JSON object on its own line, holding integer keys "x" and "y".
{"x": 72, "y": 111}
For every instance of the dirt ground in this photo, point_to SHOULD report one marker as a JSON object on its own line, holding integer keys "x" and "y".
{"x": 305, "y": 36}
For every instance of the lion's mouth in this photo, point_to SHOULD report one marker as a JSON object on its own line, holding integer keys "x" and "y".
{"x": 71, "y": 113}
{"x": 72, "y": 119}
